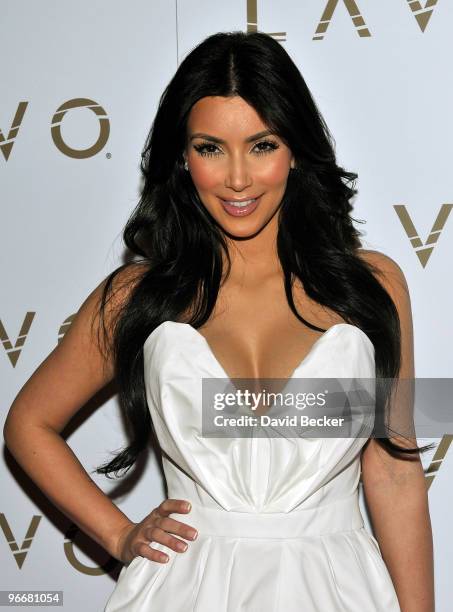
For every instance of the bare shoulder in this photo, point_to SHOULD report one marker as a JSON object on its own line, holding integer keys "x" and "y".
{"x": 111, "y": 294}
{"x": 392, "y": 278}
{"x": 387, "y": 271}
{"x": 116, "y": 288}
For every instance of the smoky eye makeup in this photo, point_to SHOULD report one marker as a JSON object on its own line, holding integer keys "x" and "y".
{"x": 209, "y": 149}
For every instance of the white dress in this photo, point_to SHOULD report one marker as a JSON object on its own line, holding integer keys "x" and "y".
{"x": 278, "y": 519}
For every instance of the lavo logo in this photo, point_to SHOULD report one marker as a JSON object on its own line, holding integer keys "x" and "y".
{"x": 421, "y": 13}
{"x": 6, "y": 144}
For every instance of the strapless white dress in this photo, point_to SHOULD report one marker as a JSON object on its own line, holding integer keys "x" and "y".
{"x": 278, "y": 519}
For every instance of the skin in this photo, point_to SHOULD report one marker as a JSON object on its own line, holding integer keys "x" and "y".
{"x": 77, "y": 368}
{"x": 238, "y": 169}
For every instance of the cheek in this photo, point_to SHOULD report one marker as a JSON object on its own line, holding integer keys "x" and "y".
{"x": 274, "y": 172}
{"x": 204, "y": 176}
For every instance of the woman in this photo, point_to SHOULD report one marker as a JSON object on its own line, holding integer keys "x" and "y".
{"x": 243, "y": 224}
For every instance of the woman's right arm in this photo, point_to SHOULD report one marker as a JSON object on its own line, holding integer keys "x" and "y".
{"x": 71, "y": 374}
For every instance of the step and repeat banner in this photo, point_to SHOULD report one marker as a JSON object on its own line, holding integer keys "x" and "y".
{"x": 79, "y": 88}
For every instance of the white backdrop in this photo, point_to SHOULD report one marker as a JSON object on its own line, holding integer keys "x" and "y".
{"x": 380, "y": 75}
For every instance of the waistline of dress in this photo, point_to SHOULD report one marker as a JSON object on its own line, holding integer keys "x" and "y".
{"x": 341, "y": 515}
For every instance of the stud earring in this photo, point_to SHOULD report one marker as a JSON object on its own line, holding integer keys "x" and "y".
{"x": 186, "y": 165}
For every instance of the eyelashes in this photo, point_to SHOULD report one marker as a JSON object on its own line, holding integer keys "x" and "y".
{"x": 202, "y": 149}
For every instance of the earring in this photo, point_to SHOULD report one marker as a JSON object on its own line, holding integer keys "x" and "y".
{"x": 186, "y": 165}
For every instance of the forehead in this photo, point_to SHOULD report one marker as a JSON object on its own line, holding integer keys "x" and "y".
{"x": 219, "y": 115}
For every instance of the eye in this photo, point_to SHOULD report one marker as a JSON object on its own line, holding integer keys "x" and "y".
{"x": 202, "y": 149}
{"x": 207, "y": 149}
{"x": 271, "y": 145}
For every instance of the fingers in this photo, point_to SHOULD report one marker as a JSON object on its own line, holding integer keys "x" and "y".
{"x": 148, "y": 552}
{"x": 173, "y": 505}
{"x": 173, "y": 526}
{"x": 161, "y": 528}
{"x": 166, "y": 523}
{"x": 155, "y": 534}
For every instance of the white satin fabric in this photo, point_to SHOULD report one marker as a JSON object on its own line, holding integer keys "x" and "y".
{"x": 280, "y": 529}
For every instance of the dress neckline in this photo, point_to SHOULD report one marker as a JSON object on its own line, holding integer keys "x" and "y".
{"x": 309, "y": 355}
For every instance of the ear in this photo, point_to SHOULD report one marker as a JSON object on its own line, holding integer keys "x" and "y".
{"x": 293, "y": 162}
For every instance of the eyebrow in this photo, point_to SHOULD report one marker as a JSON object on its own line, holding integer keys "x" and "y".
{"x": 220, "y": 141}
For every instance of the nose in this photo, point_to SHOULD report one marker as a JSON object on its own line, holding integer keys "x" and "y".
{"x": 237, "y": 175}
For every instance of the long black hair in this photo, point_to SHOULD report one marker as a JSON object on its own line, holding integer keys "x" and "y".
{"x": 181, "y": 246}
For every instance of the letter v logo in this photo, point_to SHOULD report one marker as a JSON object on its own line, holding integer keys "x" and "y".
{"x": 436, "y": 461}
{"x": 6, "y": 144}
{"x": 423, "y": 250}
{"x": 20, "y": 553}
{"x": 422, "y": 14}
{"x": 13, "y": 352}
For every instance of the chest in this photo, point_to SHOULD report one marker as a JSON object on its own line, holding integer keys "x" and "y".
{"x": 253, "y": 333}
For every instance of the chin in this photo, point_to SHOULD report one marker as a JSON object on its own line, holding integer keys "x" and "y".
{"x": 242, "y": 228}
{"x": 242, "y": 234}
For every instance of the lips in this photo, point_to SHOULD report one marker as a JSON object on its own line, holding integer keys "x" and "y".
{"x": 240, "y": 208}
{"x": 239, "y": 203}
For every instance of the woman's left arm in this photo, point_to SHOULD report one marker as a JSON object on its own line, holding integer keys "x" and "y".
{"x": 395, "y": 489}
